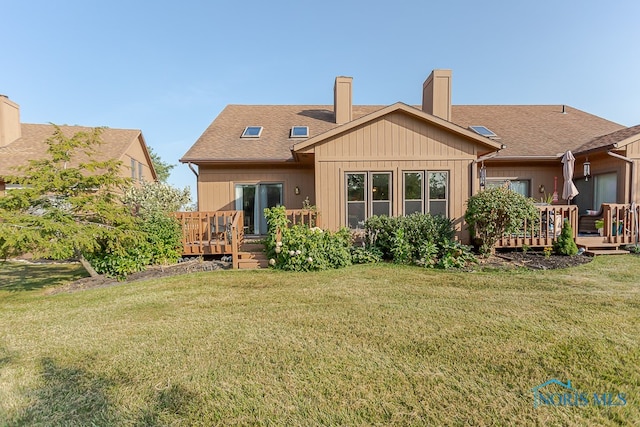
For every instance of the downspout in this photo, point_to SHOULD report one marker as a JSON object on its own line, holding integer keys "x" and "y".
{"x": 197, "y": 186}
{"x": 633, "y": 188}
{"x": 479, "y": 160}
{"x": 633, "y": 178}
{"x": 193, "y": 170}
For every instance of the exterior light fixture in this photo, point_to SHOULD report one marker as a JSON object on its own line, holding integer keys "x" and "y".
{"x": 483, "y": 176}
{"x": 586, "y": 169}
{"x": 541, "y": 189}
{"x": 296, "y": 190}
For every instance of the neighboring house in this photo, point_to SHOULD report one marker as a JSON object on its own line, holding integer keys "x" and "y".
{"x": 21, "y": 142}
{"x": 354, "y": 161}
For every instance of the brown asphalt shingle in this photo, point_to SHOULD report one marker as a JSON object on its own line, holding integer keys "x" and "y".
{"x": 31, "y": 145}
{"x": 526, "y": 130}
{"x": 610, "y": 139}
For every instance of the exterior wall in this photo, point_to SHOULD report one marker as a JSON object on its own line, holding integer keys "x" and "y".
{"x": 10, "y": 129}
{"x": 602, "y": 163}
{"x": 537, "y": 175}
{"x": 136, "y": 152}
{"x": 394, "y": 143}
{"x": 633, "y": 152}
{"x": 216, "y": 185}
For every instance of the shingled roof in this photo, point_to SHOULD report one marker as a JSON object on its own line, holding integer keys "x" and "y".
{"x": 612, "y": 140}
{"x": 525, "y": 130}
{"x": 31, "y": 145}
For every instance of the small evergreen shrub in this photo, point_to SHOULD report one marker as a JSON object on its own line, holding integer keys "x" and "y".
{"x": 565, "y": 244}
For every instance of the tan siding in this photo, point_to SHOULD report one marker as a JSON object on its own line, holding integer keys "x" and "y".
{"x": 216, "y": 186}
{"x": 394, "y": 143}
{"x": 136, "y": 152}
{"x": 536, "y": 174}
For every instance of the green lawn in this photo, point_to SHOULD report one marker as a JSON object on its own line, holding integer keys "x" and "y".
{"x": 366, "y": 345}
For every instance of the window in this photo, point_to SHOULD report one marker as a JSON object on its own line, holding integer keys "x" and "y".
{"x": 368, "y": 194}
{"x": 520, "y": 186}
{"x": 434, "y": 199}
{"x": 140, "y": 171}
{"x": 133, "y": 169}
{"x": 413, "y": 192}
{"x": 299, "y": 132}
{"x": 484, "y": 131}
{"x": 437, "y": 195}
{"x": 252, "y": 132}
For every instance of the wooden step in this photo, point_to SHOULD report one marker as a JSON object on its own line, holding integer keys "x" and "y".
{"x": 252, "y": 247}
{"x": 594, "y": 252}
{"x": 252, "y": 260}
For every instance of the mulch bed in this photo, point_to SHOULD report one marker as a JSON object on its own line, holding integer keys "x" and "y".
{"x": 154, "y": 272}
{"x": 538, "y": 261}
{"x": 501, "y": 260}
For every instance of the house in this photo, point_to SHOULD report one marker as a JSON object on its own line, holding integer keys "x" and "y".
{"x": 355, "y": 161}
{"x": 21, "y": 142}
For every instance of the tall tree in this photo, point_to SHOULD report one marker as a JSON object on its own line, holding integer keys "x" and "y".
{"x": 67, "y": 204}
{"x": 163, "y": 169}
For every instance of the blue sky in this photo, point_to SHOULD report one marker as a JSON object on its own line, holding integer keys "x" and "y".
{"x": 168, "y": 68}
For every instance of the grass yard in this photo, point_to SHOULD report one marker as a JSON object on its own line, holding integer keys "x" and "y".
{"x": 366, "y": 345}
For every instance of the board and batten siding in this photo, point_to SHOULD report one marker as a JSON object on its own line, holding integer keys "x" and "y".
{"x": 216, "y": 185}
{"x": 394, "y": 143}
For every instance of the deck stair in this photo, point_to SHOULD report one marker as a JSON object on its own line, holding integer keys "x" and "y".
{"x": 252, "y": 256}
{"x": 596, "y": 245}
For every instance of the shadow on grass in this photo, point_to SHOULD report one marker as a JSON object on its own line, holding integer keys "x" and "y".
{"x": 17, "y": 276}
{"x": 68, "y": 396}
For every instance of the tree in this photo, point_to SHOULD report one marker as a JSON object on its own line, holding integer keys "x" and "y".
{"x": 67, "y": 204}
{"x": 163, "y": 169}
{"x": 496, "y": 211}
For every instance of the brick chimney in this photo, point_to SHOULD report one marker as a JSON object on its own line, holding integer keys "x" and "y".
{"x": 342, "y": 99}
{"x": 9, "y": 121}
{"x": 436, "y": 94}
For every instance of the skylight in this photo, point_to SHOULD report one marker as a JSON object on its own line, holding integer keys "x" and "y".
{"x": 484, "y": 131}
{"x": 300, "y": 132}
{"x": 252, "y": 132}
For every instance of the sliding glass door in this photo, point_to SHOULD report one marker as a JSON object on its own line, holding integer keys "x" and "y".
{"x": 252, "y": 199}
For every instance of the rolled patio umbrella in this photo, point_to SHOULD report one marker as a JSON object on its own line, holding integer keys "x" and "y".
{"x": 569, "y": 190}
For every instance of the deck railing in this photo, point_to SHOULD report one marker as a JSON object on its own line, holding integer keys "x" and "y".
{"x": 621, "y": 223}
{"x": 544, "y": 230}
{"x": 209, "y": 233}
{"x": 310, "y": 217}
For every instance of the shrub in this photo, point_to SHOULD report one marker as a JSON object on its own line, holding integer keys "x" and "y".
{"x": 164, "y": 235}
{"x": 420, "y": 239}
{"x": 365, "y": 255}
{"x": 304, "y": 248}
{"x": 496, "y": 211}
{"x": 418, "y": 229}
{"x": 565, "y": 244}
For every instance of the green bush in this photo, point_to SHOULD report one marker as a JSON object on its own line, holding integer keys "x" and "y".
{"x": 365, "y": 255}
{"x": 420, "y": 239}
{"x": 496, "y": 211}
{"x": 164, "y": 234}
{"x": 302, "y": 248}
{"x": 565, "y": 244}
{"x": 418, "y": 229}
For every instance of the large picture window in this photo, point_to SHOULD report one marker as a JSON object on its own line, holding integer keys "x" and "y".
{"x": 433, "y": 199}
{"x": 368, "y": 194}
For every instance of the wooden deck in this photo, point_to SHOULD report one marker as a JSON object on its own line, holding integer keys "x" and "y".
{"x": 620, "y": 227}
{"x": 544, "y": 230}
{"x": 222, "y": 232}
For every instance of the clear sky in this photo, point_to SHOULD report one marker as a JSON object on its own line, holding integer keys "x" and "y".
{"x": 168, "y": 67}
